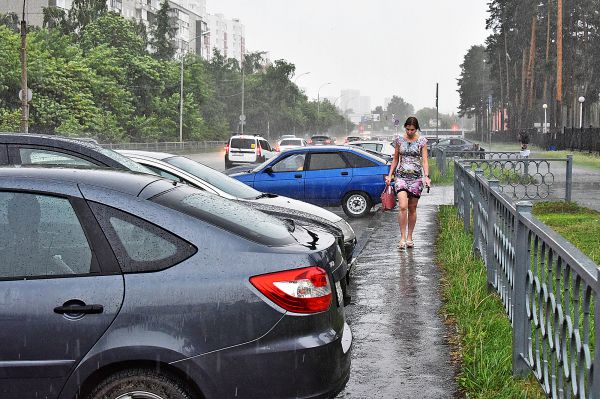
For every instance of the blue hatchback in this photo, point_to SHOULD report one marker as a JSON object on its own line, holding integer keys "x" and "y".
{"x": 325, "y": 176}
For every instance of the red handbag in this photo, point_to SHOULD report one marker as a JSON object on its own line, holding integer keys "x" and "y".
{"x": 388, "y": 199}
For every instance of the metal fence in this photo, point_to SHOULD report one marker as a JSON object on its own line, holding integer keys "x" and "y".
{"x": 186, "y": 146}
{"x": 519, "y": 178}
{"x": 548, "y": 287}
{"x": 565, "y": 139}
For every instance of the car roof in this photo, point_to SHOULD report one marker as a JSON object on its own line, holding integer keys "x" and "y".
{"x": 148, "y": 154}
{"x": 247, "y": 136}
{"x": 123, "y": 181}
{"x": 43, "y": 139}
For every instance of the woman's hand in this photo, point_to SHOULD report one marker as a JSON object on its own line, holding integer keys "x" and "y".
{"x": 427, "y": 182}
{"x": 388, "y": 179}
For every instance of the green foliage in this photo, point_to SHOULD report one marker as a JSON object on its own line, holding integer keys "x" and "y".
{"x": 163, "y": 33}
{"x": 579, "y": 225}
{"x": 400, "y": 109}
{"x": 92, "y": 75}
{"x": 483, "y": 338}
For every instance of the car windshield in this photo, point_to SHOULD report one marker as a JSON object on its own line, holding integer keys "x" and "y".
{"x": 228, "y": 215}
{"x": 123, "y": 160}
{"x": 291, "y": 142}
{"x": 217, "y": 179}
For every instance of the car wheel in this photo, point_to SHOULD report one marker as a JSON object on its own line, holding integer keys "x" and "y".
{"x": 356, "y": 204}
{"x": 228, "y": 164}
{"x": 139, "y": 384}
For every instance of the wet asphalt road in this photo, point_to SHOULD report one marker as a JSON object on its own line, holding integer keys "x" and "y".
{"x": 399, "y": 348}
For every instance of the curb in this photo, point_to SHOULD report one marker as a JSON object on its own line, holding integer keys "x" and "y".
{"x": 366, "y": 236}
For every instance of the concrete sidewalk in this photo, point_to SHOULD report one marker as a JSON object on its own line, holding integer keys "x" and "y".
{"x": 400, "y": 348}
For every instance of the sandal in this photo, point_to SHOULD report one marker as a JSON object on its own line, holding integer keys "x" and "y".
{"x": 410, "y": 244}
{"x": 402, "y": 245}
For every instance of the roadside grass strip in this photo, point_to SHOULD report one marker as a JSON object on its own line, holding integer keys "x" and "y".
{"x": 481, "y": 333}
{"x": 579, "y": 158}
{"x": 435, "y": 175}
{"x": 579, "y": 225}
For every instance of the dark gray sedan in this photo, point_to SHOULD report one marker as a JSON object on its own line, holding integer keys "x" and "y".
{"x": 123, "y": 285}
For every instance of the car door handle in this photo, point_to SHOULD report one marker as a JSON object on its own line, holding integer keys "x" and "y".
{"x": 298, "y": 176}
{"x": 79, "y": 309}
{"x": 344, "y": 173}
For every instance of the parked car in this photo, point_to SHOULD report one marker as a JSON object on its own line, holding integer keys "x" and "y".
{"x": 382, "y": 147}
{"x": 321, "y": 140}
{"x": 289, "y": 143}
{"x": 123, "y": 285}
{"x": 350, "y": 139}
{"x": 456, "y": 144}
{"x": 323, "y": 175}
{"x": 246, "y": 149}
{"x": 182, "y": 169}
{"x": 36, "y": 149}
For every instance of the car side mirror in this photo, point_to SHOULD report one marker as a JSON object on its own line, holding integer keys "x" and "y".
{"x": 269, "y": 170}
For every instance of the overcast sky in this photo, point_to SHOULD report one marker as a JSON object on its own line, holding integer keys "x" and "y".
{"x": 380, "y": 47}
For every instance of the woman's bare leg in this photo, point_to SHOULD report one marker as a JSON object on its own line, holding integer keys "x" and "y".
{"x": 403, "y": 213}
{"x": 412, "y": 216}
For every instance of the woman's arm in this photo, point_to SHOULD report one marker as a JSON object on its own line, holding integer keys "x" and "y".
{"x": 388, "y": 178}
{"x": 426, "y": 166}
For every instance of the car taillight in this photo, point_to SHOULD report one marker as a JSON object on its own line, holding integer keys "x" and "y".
{"x": 304, "y": 290}
{"x": 227, "y": 148}
{"x": 309, "y": 141}
{"x": 277, "y": 149}
{"x": 327, "y": 141}
{"x": 259, "y": 151}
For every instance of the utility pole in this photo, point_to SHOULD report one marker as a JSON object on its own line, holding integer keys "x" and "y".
{"x": 437, "y": 110}
{"x": 24, "y": 94}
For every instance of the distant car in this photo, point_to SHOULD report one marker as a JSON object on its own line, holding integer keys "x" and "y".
{"x": 323, "y": 175}
{"x": 182, "y": 169}
{"x": 247, "y": 149}
{"x": 123, "y": 285}
{"x": 456, "y": 144}
{"x": 321, "y": 140}
{"x": 350, "y": 139}
{"x": 288, "y": 136}
{"x": 382, "y": 147}
{"x": 43, "y": 150}
{"x": 289, "y": 143}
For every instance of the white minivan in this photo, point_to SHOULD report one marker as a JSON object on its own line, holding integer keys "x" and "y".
{"x": 244, "y": 149}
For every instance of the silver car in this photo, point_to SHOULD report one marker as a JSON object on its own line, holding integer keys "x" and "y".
{"x": 182, "y": 169}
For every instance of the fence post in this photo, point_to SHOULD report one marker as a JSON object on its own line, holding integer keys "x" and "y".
{"x": 490, "y": 259}
{"x": 521, "y": 327}
{"x": 443, "y": 162}
{"x": 569, "y": 182}
{"x": 595, "y": 386}
{"x": 456, "y": 181}
{"x": 466, "y": 198}
{"x": 476, "y": 203}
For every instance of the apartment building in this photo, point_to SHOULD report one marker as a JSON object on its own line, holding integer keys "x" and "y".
{"x": 197, "y": 31}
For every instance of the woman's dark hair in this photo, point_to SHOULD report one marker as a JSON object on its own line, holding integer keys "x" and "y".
{"x": 412, "y": 121}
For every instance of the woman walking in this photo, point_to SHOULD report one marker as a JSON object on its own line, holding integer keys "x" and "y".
{"x": 409, "y": 166}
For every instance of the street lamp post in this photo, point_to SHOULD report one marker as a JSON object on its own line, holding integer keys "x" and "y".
{"x": 181, "y": 85}
{"x": 581, "y": 101}
{"x": 545, "y": 106}
{"x": 319, "y": 103}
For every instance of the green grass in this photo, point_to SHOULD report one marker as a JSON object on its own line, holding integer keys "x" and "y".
{"x": 579, "y": 225}
{"x": 579, "y": 158}
{"x": 482, "y": 335}
{"x": 435, "y": 175}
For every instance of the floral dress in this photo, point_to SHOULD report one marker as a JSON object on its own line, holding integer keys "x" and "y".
{"x": 409, "y": 175}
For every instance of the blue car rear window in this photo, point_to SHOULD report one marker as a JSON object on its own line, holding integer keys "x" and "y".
{"x": 228, "y": 215}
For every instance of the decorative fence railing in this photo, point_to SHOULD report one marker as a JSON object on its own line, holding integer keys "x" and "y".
{"x": 168, "y": 146}
{"x": 519, "y": 178}
{"x": 548, "y": 287}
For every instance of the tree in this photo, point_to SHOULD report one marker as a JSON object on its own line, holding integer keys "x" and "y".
{"x": 399, "y": 109}
{"x": 163, "y": 33}
{"x": 84, "y": 12}
{"x": 11, "y": 21}
{"x": 473, "y": 85}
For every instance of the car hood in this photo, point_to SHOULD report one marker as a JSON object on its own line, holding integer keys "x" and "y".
{"x": 298, "y": 206}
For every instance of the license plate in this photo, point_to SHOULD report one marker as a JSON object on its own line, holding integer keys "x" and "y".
{"x": 340, "y": 294}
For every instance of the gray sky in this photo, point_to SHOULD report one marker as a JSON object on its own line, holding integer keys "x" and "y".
{"x": 380, "y": 47}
